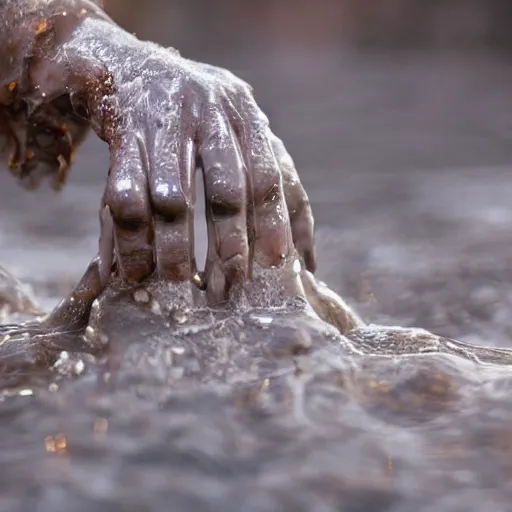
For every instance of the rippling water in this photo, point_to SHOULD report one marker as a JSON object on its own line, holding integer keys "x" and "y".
{"x": 406, "y": 163}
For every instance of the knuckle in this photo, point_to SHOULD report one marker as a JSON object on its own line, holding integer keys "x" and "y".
{"x": 226, "y": 197}
{"x": 238, "y": 86}
{"x": 169, "y": 201}
{"x": 126, "y": 203}
{"x": 260, "y": 121}
{"x": 226, "y": 206}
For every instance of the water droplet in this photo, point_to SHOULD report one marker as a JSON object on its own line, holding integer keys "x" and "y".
{"x": 155, "y": 308}
{"x": 141, "y": 296}
{"x": 64, "y": 356}
{"x": 179, "y": 317}
{"x": 264, "y": 320}
{"x": 79, "y": 367}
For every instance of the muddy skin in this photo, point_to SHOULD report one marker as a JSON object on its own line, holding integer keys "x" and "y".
{"x": 66, "y": 67}
{"x": 43, "y": 144}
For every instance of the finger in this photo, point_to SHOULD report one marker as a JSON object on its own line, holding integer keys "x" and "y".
{"x": 225, "y": 200}
{"x": 271, "y": 239}
{"x": 127, "y": 196}
{"x": 106, "y": 246}
{"x": 74, "y": 310}
{"x": 328, "y": 305}
{"x": 299, "y": 209}
{"x": 171, "y": 159}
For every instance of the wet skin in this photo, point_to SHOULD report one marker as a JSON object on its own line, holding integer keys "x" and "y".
{"x": 66, "y": 67}
{"x": 285, "y": 411}
{"x": 301, "y": 310}
{"x": 71, "y": 68}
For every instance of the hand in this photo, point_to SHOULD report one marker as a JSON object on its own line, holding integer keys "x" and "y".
{"x": 162, "y": 116}
{"x": 192, "y": 115}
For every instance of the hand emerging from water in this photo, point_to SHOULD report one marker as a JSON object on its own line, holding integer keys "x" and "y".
{"x": 163, "y": 116}
{"x": 288, "y": 297}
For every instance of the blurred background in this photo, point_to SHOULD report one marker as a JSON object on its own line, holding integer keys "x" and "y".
{"x": 398, "y": 114}
{"x": 356, "y": 84}
{"x": 387, "y": 23}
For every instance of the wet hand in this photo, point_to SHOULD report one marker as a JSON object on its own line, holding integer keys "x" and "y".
{"x": 194, "y": 116}
{"x": 163, "y": 117}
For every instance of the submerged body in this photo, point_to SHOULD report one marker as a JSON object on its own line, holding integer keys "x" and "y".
{"x": 258, "y": 409}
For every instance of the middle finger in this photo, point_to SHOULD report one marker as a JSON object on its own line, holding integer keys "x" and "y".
{"x": 226, "y": 196}
{"x": 171, "y": 163}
